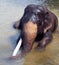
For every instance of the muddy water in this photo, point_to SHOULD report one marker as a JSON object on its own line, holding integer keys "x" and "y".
{"x": 11, "y": 11}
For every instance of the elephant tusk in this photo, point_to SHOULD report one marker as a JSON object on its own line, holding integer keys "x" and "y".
{"x": 17, "y": 47}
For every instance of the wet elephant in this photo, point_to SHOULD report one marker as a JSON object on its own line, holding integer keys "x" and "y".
{"x": 37, "y": 24}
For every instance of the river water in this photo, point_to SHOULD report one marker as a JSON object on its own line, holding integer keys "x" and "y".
{"x": 11, "y": 11}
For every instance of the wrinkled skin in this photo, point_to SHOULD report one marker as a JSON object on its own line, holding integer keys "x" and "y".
{"x": 37, "y": 24}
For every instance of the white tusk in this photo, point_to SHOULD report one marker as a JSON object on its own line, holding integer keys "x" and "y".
{"x": 17, "y": 47}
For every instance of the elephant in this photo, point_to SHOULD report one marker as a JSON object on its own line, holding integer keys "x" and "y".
{"x": 37, "y": 24}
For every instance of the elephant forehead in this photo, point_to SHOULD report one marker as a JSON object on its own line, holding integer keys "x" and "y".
{"x": 30, "y": 27}
{"x": 30, "y": 30}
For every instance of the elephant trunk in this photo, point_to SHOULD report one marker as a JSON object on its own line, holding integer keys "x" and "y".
{"x": 29, "y": 35}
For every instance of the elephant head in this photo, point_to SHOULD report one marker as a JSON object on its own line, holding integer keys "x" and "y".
{"x": 30, "y": 25}
{"x": 37, "y": 22}
{"x": 33, "y": 13}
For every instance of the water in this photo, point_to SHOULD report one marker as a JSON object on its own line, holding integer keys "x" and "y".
{"x": 11, "y": 11}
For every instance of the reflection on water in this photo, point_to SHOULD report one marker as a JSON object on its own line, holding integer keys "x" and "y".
{"x": 11, "y": 11}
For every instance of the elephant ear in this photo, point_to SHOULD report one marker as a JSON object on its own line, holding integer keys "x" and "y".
{"x": 46, "y": 12}
{"x": 45, "y": 18}
{"x": 43, "y": 11}
{"x": 47, "y": 24}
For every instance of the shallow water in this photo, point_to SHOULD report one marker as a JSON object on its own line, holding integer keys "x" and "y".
{"x": 11, "y": 11}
